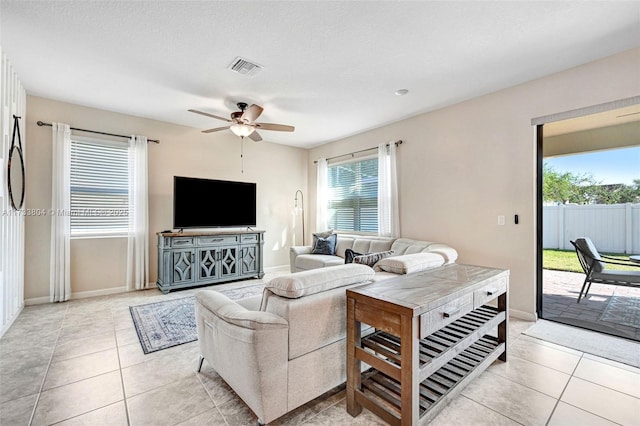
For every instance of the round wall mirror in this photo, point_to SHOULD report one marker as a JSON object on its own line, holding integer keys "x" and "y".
{"x": 15, "y": 177}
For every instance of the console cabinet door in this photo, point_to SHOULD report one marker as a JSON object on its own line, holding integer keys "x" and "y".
{"x": 250, "y": 255}
{"x": 208, "y": 268}
{"x": 183, "y": 264}
{"x": 229, "y": 261}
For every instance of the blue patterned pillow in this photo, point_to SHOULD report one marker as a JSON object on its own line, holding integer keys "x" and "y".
{"x": 325, "y": 245}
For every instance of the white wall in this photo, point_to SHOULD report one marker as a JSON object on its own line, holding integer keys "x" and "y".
{"x": 98, "y": 266}
{"x": 12, "y": 225}
{"x": 462, "y": 166}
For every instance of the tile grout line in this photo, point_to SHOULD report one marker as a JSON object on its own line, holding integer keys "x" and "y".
{"x": 488, "y": 408}
{"x": 124, "y": 394}
{"x": 322, "y": 411}
{"x": 44, "y": 378}
{"x": 555, "y": 406}
{"x": 215, "y": 404}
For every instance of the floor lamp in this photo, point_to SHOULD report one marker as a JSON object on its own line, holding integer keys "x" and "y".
{"x": 301, "y": 209}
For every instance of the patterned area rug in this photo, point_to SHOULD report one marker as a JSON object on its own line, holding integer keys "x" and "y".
{"x": 623, "y": 310}
{"x": 169, "y": 323}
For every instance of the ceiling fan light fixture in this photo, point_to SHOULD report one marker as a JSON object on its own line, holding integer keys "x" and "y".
{"x": 241, "y": 130}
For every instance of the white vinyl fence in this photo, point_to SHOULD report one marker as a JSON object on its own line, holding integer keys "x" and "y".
{"x": 613, "y": 228}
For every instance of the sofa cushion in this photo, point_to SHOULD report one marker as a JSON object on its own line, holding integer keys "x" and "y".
{"x": 361, "y": 244}
{"x": 409, "y": 263}
{"x": 371, "y": 259}
{"x": 324, "y": 245}
{"x": 314, "y": 281}
{"x": 312, "y": 261}
{"x": 407, "y": 246}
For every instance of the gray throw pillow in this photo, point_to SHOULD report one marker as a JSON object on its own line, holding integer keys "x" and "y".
{"x": 325, "y": 245}
{"x": 317, "y": 235}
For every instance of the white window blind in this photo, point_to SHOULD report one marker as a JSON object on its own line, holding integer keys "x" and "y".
{"x": 99, "y": 187}
{"x": 353, "y": 196}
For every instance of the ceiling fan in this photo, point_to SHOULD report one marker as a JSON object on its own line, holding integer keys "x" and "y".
{"x": 243, "y": 122}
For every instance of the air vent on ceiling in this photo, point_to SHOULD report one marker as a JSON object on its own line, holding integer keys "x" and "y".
{"x": 244, "y": 67}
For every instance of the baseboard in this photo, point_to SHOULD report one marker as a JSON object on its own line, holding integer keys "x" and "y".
{"x": 95, "y": 293}
{"x": 527, "y": 316}
{"x": 83, "y": 294}
{"x": 277, "y": 269}
{"x": 36, "y": 300}
{"x": 11, "y": 321}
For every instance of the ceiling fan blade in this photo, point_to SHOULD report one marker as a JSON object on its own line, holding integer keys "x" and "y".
{"x": 251, "y": 113}
{"x": 277, "y": 127}
{"x": 206, "y": 114}
{"x": 217, "y": 129}
{"x": 255, "y": 136}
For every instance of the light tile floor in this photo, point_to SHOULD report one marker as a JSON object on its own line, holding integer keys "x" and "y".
{"x": 80, "y": 363}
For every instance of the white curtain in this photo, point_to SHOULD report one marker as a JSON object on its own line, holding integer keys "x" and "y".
{"x": 388, "y": 210}
{"x": 322, "y": 196}
{"x": 138, "y": 241}
{"x": 59, "y": 269}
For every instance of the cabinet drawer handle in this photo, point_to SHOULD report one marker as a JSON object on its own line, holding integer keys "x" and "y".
{"x": 217, "y": 239}
{"x": 491, "y": 291}
{"x": 450, "y": 312}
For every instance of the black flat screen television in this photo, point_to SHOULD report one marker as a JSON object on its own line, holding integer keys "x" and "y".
{"x": 209, "y": 203}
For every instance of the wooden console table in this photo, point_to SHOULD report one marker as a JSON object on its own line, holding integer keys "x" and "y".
{"x": 432, "y": 337}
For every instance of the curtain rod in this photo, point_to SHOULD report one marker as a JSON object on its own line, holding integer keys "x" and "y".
{"x": 41, "y": 123}
{"x": 397, "y": 143}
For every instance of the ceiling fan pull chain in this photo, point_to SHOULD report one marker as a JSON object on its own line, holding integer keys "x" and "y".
{"x": 242, "y": 154}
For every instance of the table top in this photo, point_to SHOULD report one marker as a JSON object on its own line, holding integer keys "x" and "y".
{"x": 426, "y": 290}
{"x": 224, "y": 231}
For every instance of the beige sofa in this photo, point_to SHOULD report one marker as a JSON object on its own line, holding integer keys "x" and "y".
{"x": 289, "y": 351}
{"x": 287, "y": 347}
{"x": 301, "y": 258}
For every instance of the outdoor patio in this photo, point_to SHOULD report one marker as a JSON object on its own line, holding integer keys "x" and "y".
{"x": 609, "y": 309}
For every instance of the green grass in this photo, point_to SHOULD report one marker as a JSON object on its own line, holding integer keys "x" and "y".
{"x": 567, "y": 260}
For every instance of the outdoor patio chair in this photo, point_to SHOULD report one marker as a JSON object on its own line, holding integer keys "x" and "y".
{"x": 595, "y": 267}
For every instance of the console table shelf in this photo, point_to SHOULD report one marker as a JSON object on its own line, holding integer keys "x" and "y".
{"x": 433, "y": 335}
{"x": 438, "y": 348}
{"x": 386, "y": 391}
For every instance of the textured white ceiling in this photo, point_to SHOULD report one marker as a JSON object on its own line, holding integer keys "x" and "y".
{"x": 330, "y": 67}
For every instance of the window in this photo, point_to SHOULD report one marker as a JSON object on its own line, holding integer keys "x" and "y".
{"x": 353, "y": 195}
{"x": 99, "y": 187}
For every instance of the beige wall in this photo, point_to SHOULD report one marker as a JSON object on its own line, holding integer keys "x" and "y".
{"x": 610, "y": 137}
{"x": 462, "y": 166}
{"x": 99, "y": 265}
